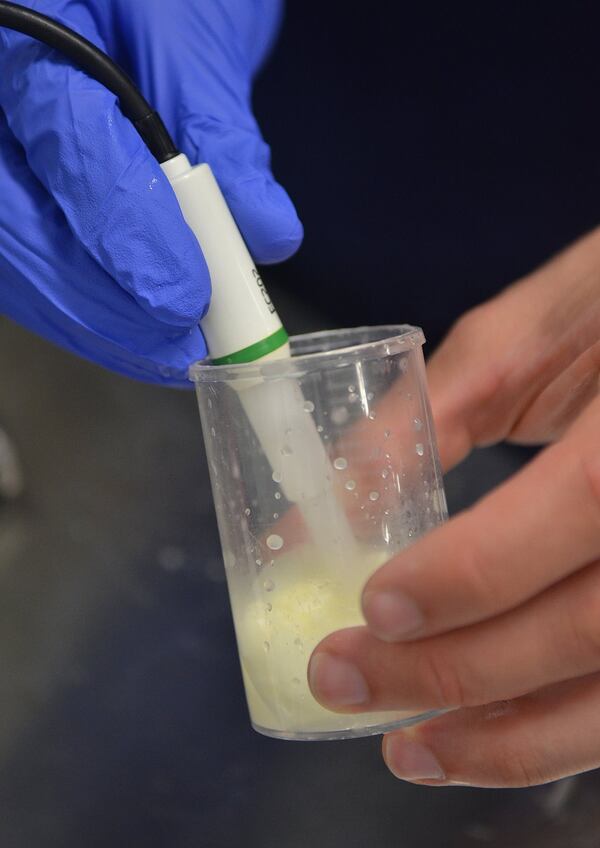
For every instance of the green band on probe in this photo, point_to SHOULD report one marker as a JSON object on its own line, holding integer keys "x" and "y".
{"x": 256, "y": 350}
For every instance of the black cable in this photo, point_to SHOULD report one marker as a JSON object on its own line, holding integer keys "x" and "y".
{"x": 98, "y": 66}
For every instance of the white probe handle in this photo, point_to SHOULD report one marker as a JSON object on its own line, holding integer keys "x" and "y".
{"x": 241, "y": 324}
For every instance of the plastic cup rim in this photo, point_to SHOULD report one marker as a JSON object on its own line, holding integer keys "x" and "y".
{"x": 401, "y": 337}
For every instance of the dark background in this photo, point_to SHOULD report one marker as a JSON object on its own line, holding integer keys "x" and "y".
{"x": 435, "y": 151}
{"x": 434, "y": 155}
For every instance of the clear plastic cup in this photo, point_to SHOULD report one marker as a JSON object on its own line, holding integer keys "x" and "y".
{"x": 323, "y": 466}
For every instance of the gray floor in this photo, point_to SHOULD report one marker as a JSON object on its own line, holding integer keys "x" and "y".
{"x": 122, "y": 718}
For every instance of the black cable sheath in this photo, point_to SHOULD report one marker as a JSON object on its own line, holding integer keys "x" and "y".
{"x": 97, "y": 65}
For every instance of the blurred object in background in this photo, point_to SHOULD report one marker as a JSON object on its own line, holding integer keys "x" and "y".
{"x": 11, "y": 473}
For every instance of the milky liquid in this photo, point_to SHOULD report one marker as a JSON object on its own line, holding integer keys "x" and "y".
{"x": 281, "y": 617}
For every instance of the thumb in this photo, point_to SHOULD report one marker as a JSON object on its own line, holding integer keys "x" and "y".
{"x": 240, "y": 160}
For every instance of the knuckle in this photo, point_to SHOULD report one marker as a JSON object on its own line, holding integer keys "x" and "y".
{"x": 470, "y": 324}
{"x": 470, "y": 340}
{"x": 444, "y": 681}
{"x": 590, "y": 467}
{"x": 584, "y": 626}
{"x": 482, "y": 582}
{"x": 471, "y": 332}
{"x": 520, "y": 768}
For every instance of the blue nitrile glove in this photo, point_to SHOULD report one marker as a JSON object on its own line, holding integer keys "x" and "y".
{"x": 94, "y": 252}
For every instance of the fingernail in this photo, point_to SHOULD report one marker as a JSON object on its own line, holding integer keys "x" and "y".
{"x": 336, "y": 682}
{"x": 411, "y": 760}
{"x": 391, "y": 616}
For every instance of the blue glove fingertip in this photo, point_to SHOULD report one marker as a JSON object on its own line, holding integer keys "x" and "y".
{"x": 266, "y": 217}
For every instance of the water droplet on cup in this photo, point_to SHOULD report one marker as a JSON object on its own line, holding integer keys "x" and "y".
{"x": 373, "y": 496}
{"x": 351, "y": 389}
{"x": 417, "y": 424}
{"x": 274, "y": 542}
{"x": 387, "y": 434}
{"x": 340, "y": 463}
{"x": 286, "y": 450}
{"x": 269, "y": 607}
{"x": 385, "y": 473}
{"x": 350, "y": 485}
{"x": 309, "y": 406}
{"x": 420, "y": 449}
{"x": 276, "y": 476}
{"x": 370, "y": 395}
{"x": 339, "y": 415}
{"x": 268, "y": 585}
{"x": 247, "y": 511}
{"x": 267, "y": 647}
{"x": 319, "y": 428}
{"x": 372, "y": 415}
{"x": 258, "y": 562}
{"x": 277, "y": 496}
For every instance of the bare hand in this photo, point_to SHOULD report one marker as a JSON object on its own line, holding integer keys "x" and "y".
{"x": 496, "y": 615}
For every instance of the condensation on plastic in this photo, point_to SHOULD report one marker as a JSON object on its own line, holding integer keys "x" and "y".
{"x": 295, "y": 569}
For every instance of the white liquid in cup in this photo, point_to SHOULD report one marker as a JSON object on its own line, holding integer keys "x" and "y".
{"x": 288, "y": 610}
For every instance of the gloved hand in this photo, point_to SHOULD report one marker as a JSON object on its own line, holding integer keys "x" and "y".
{"x": 94, "y": 252}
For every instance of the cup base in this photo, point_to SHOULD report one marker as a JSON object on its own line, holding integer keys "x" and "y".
{"x": 350, "y": 733}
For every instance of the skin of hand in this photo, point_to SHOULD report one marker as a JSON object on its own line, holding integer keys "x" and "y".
{"x": 494, "y": 617}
